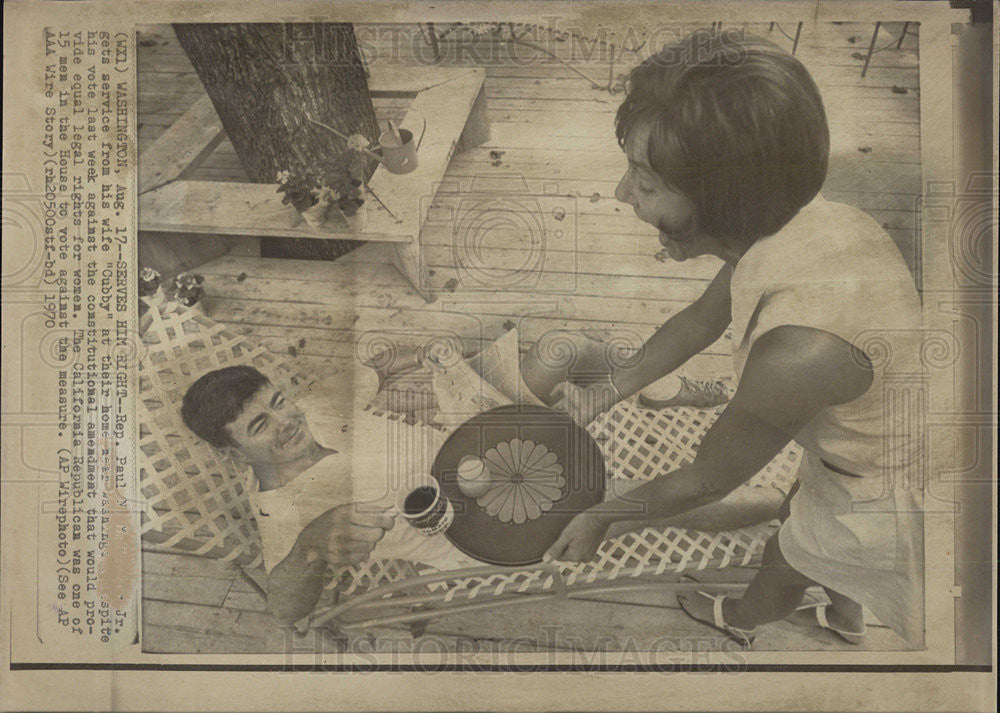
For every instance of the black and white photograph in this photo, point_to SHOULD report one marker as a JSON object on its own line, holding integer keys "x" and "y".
{"x": 622, "y": 300}
{"x": 502, "y": 356}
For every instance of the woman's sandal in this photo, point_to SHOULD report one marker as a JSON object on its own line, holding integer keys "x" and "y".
{"x": 744, "y": 637}
{"x": 851, "y": 637}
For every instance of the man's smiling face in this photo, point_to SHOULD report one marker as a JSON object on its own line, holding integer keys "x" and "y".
{"x": 271, "y": 429}
{"x": 672, "y": 213}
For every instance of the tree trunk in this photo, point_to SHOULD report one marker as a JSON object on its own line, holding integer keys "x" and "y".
{"x": 266, "y": 81}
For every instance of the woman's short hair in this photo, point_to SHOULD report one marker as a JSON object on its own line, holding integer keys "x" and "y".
{"x": 216, "y": 399}
{"x": 736, "y": 125}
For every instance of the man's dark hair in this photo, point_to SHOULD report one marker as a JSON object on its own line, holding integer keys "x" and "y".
{"x": 216, "y": 400}
{"x": 736, "y": 125}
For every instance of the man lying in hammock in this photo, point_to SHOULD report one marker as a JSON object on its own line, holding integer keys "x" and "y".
{"x": 323, "y": 491}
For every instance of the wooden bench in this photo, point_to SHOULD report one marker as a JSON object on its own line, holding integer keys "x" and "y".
{"x": 451, "y": 100}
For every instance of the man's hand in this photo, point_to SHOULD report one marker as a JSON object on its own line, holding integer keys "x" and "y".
{"x": 345, "y": 535}
{"x": 579, "y": 541}
{"x": 342, "y": 536}
{"x": 583, "y": 404}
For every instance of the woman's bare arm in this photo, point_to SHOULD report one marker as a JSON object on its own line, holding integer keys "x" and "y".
{"x": 687, "y": 333}
{"x": 791, "y": 374}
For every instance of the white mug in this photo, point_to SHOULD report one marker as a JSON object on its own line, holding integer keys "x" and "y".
{"x": 473, "y": 477}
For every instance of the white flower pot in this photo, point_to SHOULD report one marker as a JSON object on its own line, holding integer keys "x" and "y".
{"x": 316, "y": 214}
{"x": 357, "y": 222}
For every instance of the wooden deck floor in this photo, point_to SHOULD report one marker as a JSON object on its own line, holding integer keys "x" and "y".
{"x": 552, "y": 134}
{"x": 197, "y": 605}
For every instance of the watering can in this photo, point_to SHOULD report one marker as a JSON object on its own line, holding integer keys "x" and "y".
{"x": 397, "y": 150}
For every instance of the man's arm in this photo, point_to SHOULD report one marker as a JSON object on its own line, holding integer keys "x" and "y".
{"x": 340, "y": 537}
{"x": 791, "y": 374}
{"x": 296, "y": 584}
{"x": 687, "y": 333}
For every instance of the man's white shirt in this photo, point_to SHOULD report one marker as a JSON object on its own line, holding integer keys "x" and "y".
{"x": 376, "y": 460}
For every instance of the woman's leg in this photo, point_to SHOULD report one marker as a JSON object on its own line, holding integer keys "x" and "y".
{"x": 772, "y": 595}
{"x": 788, "y": 586}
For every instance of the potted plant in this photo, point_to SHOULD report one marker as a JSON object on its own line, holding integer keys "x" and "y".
{"x": 319, "y": 196}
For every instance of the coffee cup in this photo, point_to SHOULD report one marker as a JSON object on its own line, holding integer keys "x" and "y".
{"x": 425, "y": 507}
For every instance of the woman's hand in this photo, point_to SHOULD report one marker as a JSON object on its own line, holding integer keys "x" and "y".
{"x": 579, "y": 541}
{"x": 583, "y": 404}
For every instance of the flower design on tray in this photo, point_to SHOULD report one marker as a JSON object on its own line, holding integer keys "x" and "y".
{"x": 526, "y": 480}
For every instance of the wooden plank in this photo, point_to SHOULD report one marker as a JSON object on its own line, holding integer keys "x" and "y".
{"x": 306, "y": 305}
{"x": 874, "y": 100}
{"x": 154, "y": 83}
{"x": 410, "y": 330}
{"x": 698, "y": 271}
{"x": 477, "y": 128}
{"x": 384, "y": 79}
{"x": 166, "y": 564}
{"x": 523, "y": 64}
{"x": 604, "y": 148}
{"x": 879, "y": 84}
{"x": 878, "y": 104}
{"x": 579, "y": 626}
{"x": 168, "y": 639}
{"x": 283, "y": 327}
{"x": 243, "y": 597}
{"x": 343, "y": 305}
{"x": 341, "y": 295}
{"x": 394, "y": 80}
{"x": 555, "y": 166}
{"x": 594, "y": 43}
{"x": 163, "y": 115}
{"x": 185, "y": 578}
{"x": 366, "y": 274}
{"x": 235, "y": 209}
{"x": 199, "y": 629}
{"x": 602, "y": 627}
{"x": 600, "y": 126}
{"x": 419, "y": 326}
{"x": 174, "y": 253}
{"x": 444, "y": 110}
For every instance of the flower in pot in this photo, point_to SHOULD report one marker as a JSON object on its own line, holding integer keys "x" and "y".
{"x": 350, "y": 204}
{"x": 313, "y": 196}
{"x": 186, "y": 288}
{"x": 305, "y": 193}
{"x": 150, "y": 294}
